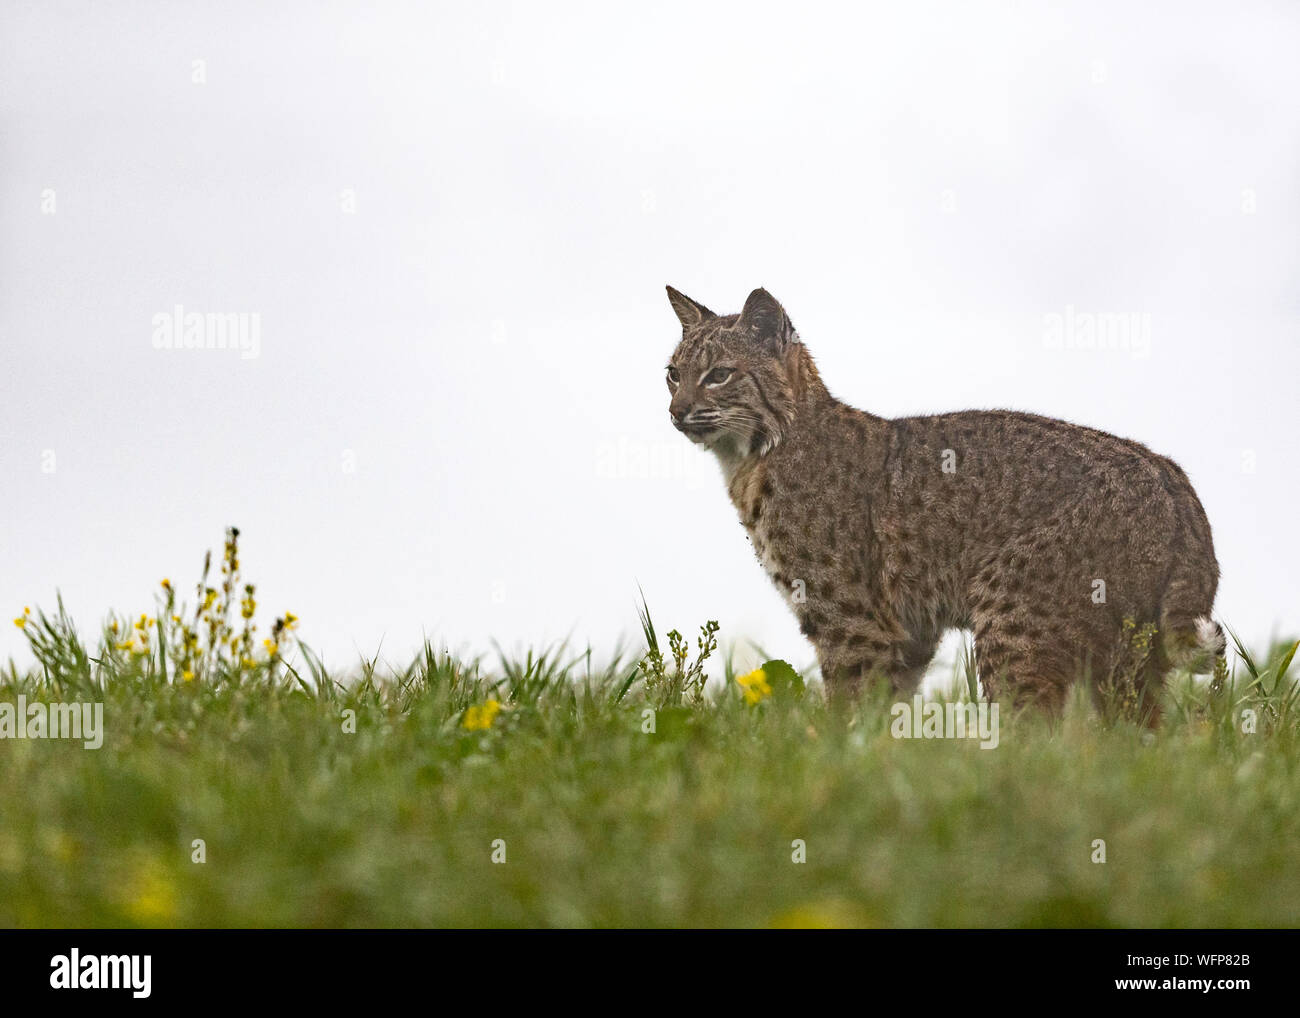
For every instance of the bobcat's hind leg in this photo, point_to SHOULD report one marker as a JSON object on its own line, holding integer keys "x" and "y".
{"x": 1129, "y": 686}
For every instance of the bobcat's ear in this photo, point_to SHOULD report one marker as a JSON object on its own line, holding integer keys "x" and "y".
{"x": 689, "y": 312}
{"x": 764, "y": 320}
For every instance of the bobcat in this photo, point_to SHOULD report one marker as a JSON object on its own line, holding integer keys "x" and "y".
{"x": 1049, "y": 540}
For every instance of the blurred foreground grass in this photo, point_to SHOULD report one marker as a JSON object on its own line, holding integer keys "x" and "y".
{"x": 382, "y": 801}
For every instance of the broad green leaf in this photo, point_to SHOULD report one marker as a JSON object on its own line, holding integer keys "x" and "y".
{"x": 781, "y": 677}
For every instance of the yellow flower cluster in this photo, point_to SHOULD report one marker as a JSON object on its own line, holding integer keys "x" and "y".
{"x": 480, "y": 718}
{"x": 137, "y": 641}
{"x": 202, "y": 641}
{"x": 755, "y": 685}
{"x": 284, "y": 625}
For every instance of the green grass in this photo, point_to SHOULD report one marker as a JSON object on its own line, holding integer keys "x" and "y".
{"x": 306, "y": 824}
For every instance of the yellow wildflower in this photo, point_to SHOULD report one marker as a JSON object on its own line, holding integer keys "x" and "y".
{"x": 480, "y": 718}
{"x": 187, "y": 675}
{"x": 166, "y": 584}
{"x": 755, "y": 685}
{"x": 22, "y": 619}
{"x": 150, "y": 893}
{"x": 829, "y": 914}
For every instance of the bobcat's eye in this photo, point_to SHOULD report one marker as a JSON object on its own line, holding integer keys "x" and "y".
{"x": 673, "y": 376}
{"x": 718, "y": 376}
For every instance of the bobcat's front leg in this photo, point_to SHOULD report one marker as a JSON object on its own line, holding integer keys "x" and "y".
{"x": 847, "y": 667}
{"x": 859, "y": 639}
{"x": 864, "y": 646}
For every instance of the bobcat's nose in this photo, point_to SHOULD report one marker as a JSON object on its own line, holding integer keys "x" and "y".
{"x": 680, "y": 414}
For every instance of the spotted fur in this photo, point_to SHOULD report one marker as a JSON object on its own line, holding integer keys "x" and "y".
{"x": 1041, "y": 536}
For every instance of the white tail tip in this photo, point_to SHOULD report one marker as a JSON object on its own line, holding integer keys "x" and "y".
{"x": 1209, "y": 635}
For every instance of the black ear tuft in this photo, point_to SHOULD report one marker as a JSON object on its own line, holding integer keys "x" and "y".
{"x": 764, "y": 320}
{"x": 689, "y": 312}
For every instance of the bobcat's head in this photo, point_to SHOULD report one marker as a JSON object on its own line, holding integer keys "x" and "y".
{"x": 732, "y": 377}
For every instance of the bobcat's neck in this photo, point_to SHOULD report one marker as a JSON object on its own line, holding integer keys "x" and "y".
{"x": 807, "y": 398}
{"x": 805, "y": 380}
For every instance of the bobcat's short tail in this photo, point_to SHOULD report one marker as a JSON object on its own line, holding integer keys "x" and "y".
{"x": 1199, "y": 649}
{"x": 1191, "y": 639}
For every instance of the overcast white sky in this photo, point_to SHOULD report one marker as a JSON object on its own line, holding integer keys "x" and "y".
{"x": 482, "y": 334}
